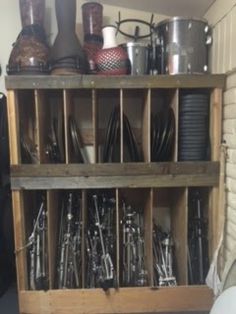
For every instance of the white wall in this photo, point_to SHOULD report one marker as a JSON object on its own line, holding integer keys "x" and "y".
{"x": 10, "y": 25}
{"x": 222, "y": 16}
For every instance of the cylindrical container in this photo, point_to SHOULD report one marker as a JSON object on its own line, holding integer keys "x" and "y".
{"x": 185, "y": 45}
{"x": 111, "y": 59}
{"x": 92, "y": 13}
{"x": 32, "y": 12}
{"x": 138, "y": 54}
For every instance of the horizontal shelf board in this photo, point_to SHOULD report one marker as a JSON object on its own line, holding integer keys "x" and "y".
{"x": 114, "y": 82}
{"x": 124, "y": 300}
{"x": 132, "y": 175}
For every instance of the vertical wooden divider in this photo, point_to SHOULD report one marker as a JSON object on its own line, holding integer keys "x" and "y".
{"x": 67, "y": 109}
{"x": 179, "y": 227}
{"x": 20, "y": 240}
{"x": 121, "y": 126}
{"x": 95, "y": 126}
{"x": 175, "y": 106}
{"x": 215, "y": 123}
{"x": 17, "y": 196}
{"x": 117, "y": 238}
{"x": 37, "y": 124}
{"x": 146, "y": 131}
{"x": 54, "y": 215}
{"x": 148, "y": 236}
{"x": 41, "y": 123}
{"x": 215, "y": 140}
{"x": 83, "y": 243}
{"x": 13, "y": 127}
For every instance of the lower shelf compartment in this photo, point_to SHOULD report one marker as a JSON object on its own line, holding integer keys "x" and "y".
{"x": 183, "y": 299}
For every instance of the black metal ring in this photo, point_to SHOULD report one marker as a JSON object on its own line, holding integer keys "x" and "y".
{"x": 150, "y": 24}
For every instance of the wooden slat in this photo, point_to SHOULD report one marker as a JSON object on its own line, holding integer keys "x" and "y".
{"x": 94, "y": 182}
{"x": 67, "y": 108}
{"x": 42, "y": 120}
{"x": 125, "y": 300}
{"x": 95, "y": 126}
{"x": 116, "y": 169}
{"x": 216, "y": 123}
{"x": 118, "y": 238}
{"x": 175, "y": 106}
{"x": 13, "y": 126}
{"x": 83, "y": 242}
{"x": 179, "y": 229}
{"x": 146, "y": 130}
{"x": 20, "y": 239}
{"x": 111, "y": 82}
{"x": 215, "y": 138}
{"x": 115, "y": 175}
{"x": 121, "y": 140}
{"x": 53, "y": 225}
{"x": 148, "y": 236}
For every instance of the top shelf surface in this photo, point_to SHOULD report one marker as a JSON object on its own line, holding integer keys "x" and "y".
{"x": 114, "y": 82}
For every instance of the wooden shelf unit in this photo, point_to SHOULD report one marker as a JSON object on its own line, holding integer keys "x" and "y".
{"x": 32, "y": 101}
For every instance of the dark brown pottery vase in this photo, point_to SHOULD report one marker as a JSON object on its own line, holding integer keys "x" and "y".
{"x": 111, "y": 59}
{"x": 67, "y": 55}
{"x": 30, "y": 51}
{"x": 92, "y": 13}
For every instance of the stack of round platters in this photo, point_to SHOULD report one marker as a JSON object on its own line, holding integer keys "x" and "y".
{"x": 162, "y": 135}
{"x": 193, "y": 126}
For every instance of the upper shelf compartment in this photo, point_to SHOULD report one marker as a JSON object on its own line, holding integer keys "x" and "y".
{"x": 112, "y": 82}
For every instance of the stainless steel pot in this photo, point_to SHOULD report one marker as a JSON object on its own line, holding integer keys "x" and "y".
{"x": 138, "y": 54}
{"x": 185, "y": 44}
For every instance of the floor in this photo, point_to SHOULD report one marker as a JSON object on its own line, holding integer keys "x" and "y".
{"x": 9, "y": 301}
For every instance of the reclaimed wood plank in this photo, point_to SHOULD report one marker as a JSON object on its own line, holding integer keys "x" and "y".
{"x": 179, "y": 229}
{"x": 116, "y": 169}
{"x": 216, "y": 123}
{"x": 13, "y": 127}
{"x": 125, "y": 300}
{"x": 101, "y": 182}
{"x": 20, "y": 239}
{"x": 111, "y": 82}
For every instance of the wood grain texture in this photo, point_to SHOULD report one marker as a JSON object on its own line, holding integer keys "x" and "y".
{"x": 54, "y": 215}
{"x": 95, "y": 125}
{"x": 216, "y": 123}
{"x": 179, "y": 228}
{"x": 146, "y": 134}
{"x": 111, "y": 82}
{"x": 13, "y": 127}
{"x": 102, "y": 182}
{"x": 20, "y": 239}
{"x": 116, "y": 169}
{"x": 114, "y": 175}
{"x": 125, "y": 300}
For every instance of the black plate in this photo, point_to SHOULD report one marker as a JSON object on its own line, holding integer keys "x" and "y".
{"x": 190, "y": 131}
{"x": 194, "y": 97}
{"x": 76, "y": 141}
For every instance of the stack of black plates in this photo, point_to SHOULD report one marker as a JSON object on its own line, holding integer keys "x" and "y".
{"x": 193, "y": 126}
{"x": 162, "y": 135}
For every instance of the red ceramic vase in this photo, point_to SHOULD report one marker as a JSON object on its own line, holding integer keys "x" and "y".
{"x": 111, "y": 59}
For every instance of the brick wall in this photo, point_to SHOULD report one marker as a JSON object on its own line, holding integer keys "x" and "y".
{"x": 222, "y": 17}
{"x": 229, "y": 135}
